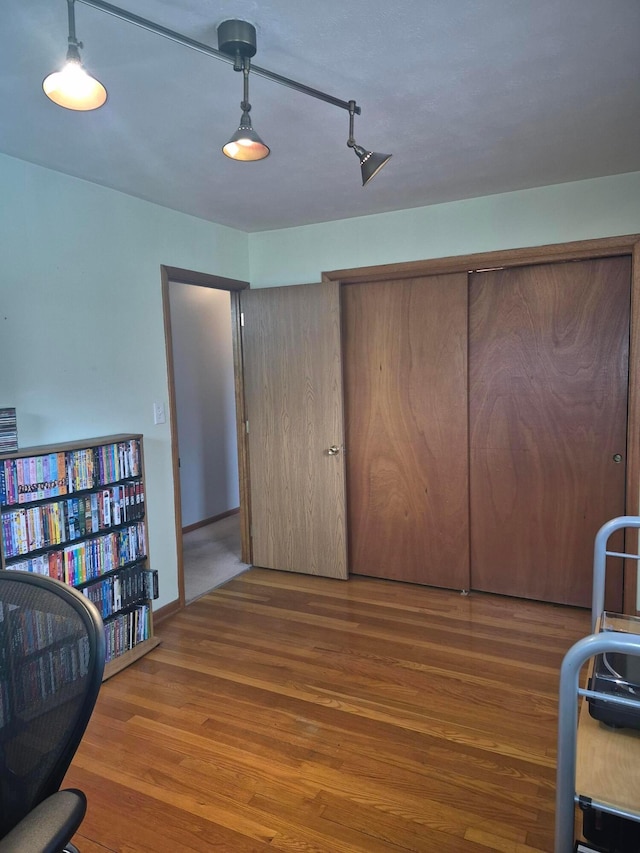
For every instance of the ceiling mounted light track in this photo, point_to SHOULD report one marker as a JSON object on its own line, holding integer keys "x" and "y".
{"x": 236, "y": 45}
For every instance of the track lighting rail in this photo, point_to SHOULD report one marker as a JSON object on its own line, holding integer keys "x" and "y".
{"x": 75, "y": 89}
{"x": 172, "y": 35}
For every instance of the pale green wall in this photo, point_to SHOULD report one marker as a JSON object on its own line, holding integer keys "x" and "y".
{"x": 82, "y": 348}
{"x": 603, "y": 207}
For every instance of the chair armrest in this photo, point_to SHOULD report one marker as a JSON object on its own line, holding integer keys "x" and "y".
{"x": 48, "y": 827}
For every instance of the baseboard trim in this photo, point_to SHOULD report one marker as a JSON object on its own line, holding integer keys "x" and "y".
{"x": 168, "y": 610}
{"x": 213, "y": 518}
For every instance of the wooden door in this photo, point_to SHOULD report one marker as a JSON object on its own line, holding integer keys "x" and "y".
{"x": 548, "y": 376}
{"x": 293, "y": 396}
{"x": 405, "y": 350}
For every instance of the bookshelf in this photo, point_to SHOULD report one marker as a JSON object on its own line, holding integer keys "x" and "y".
{"x": 76, "y": 511}
{"x": 52, "y": 657}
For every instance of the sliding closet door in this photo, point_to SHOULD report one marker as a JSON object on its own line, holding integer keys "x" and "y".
{"x": 548, "y": 376}
{"x": 405, "y": 355}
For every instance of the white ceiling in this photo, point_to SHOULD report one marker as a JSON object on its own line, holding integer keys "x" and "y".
{"x": 472, "y": 97}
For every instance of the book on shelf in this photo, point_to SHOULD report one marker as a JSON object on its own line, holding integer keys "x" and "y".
{"x": 127, "y": 630}
{"x": 29, "y": 528}
{"x": 122, "y": 590}
{"x": 31, "y": 478}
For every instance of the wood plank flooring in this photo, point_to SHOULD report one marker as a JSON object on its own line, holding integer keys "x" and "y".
{"x": 307, "y": 715}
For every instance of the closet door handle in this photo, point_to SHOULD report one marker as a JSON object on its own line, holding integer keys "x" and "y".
{"x": 333, "y": 450}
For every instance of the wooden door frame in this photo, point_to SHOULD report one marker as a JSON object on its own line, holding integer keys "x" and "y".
{"x": 579, "y": 250}
{"x": 176, "y": 275}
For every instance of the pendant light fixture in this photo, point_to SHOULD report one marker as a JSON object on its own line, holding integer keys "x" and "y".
{"x": 238, "y": 39}
{"x": 370, "y": 161}
{"x": 72, "y": 87}
{"x": 237, "y": 45}
{"x": 245, "y": 144}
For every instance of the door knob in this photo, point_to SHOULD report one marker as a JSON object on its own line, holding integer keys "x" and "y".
{"x": 333, "y": 450}
{"x": 617, "y": 457}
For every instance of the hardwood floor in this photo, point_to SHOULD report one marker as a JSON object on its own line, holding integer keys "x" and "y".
{"x": 310, "y": 715}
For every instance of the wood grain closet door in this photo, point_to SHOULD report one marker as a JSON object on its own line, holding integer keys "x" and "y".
{"x": 548, "y": 376}
{"x": 405, "y": 351}
{"x": 293, "y": 397}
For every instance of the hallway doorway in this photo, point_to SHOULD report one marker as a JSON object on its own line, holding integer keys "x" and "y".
{"x": 206, "y": 416}
{"x": 211, "y": 556}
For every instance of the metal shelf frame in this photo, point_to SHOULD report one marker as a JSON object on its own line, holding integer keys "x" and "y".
{"x": 579, "y": 654}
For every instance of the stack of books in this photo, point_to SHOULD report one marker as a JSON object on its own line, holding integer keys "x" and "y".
{"x": 8, "y": 430}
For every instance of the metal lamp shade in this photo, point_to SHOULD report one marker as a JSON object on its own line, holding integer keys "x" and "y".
{"x": 72, "y": 87}
{"x": 245, "y": 144}
{"x": 370, "y": 163}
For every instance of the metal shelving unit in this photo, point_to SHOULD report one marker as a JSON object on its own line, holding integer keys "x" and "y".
{"x": 596, "y": 765}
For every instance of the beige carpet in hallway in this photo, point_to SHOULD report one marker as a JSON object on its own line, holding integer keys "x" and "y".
{"x": 211, "y": 556}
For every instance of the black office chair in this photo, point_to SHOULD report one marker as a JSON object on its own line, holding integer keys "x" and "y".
{"x": 52, "y": 651}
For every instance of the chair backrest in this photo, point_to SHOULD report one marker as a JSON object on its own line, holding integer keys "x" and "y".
{"x": 52, "y": 652}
